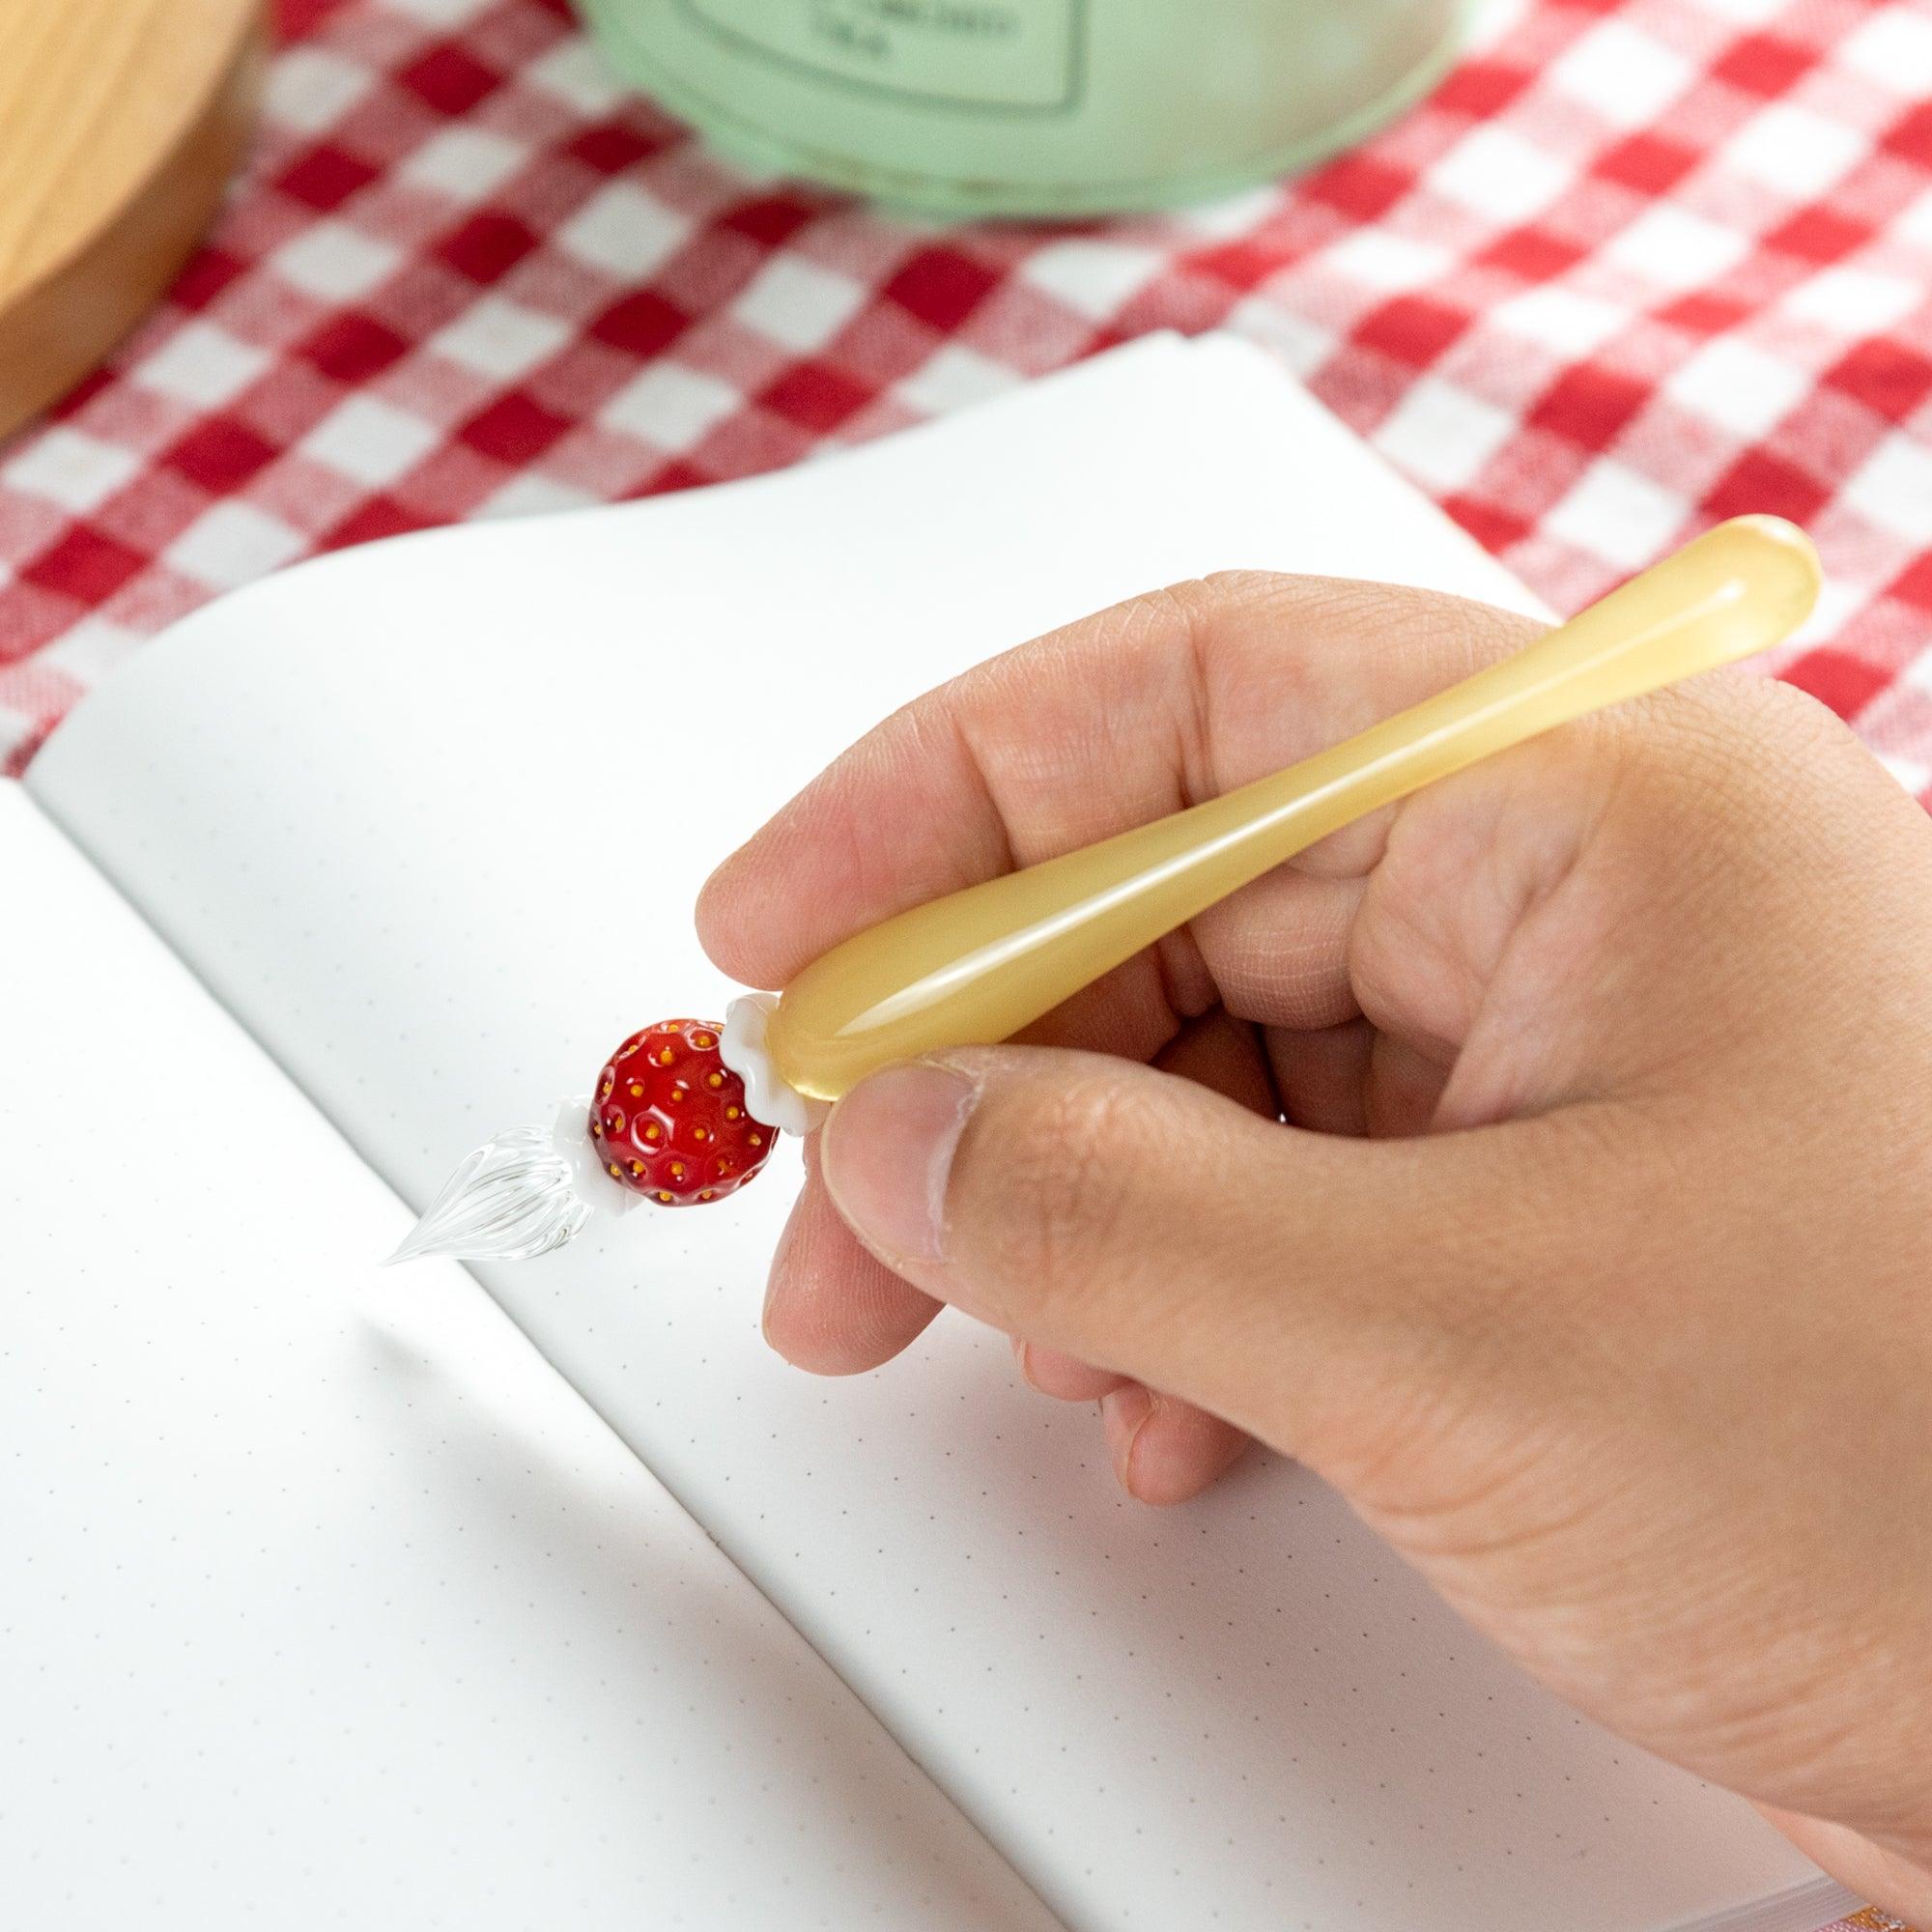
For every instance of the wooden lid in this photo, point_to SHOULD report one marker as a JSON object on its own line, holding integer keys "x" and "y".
{"x": 120, "y": 123}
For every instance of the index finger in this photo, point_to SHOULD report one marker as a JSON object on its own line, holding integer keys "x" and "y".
{"x": 1153, "y": 705}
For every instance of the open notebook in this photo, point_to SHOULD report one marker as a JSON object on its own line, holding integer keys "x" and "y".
{"x": 548, "y": 1596}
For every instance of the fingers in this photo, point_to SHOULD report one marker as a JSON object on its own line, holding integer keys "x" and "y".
{"x": 1137, "y": 1222}
{"x": 1174, "y": 696}
{"x": 1323, "y": 1076}
{"x": 1064, "y": 1378}
{"x": 834, "y": 1308}
{"x": 1222, "y": 1054}
{"x": 1164, "y": 1450}
{"x": 831, "y": 1306}
{"x": 1278, "y": 950}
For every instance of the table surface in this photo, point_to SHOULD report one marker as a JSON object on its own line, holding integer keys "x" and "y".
{"x": 1635, "y": 266}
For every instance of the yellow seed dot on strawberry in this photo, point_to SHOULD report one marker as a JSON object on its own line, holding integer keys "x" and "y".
{"x": 597, "y": 1131}
{"x": 714, "y": 1079}
{"x": 637, "y": 1091}
{"x": 605, "y": 1091}
{"x": 732, "y": 1113}
{"x": 636, "y": 1167}
{"x": 677, "y": 1170}
{"x": 652, "y": 1131}
{"x": 707, "y": 1194}
{"x": 664, "y": 1197}
{"x": 757, "y": 1140}
{"x": 702, "y": 1039}
{"x": 666, "y": 1058}
{"x": 698, "y": 1134}
{"x": 617, "y": 1171}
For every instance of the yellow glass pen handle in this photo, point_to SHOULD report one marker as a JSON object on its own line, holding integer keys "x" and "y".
{"x": 979, "y": 965}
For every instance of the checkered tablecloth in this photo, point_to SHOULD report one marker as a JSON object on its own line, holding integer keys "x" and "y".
{"x": 1632, "y": 268}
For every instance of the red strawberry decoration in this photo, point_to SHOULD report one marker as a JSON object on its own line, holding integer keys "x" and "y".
{"x": 670, "y": 1118}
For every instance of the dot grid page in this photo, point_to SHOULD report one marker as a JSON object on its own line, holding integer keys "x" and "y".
{"x": 322, "y": 1599}
{"x": 440, "y": 912}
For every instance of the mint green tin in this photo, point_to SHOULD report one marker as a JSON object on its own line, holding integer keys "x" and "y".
{"x": 1032, "y": 107}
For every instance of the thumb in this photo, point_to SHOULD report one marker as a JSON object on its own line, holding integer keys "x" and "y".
{"x": 1148, "y": 1225}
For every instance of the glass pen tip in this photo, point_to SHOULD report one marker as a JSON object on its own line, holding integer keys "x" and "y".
{"x": 510, "y": 1200}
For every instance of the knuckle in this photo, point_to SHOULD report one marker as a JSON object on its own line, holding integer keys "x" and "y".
{"x": 1221, "y": 588}
{"x": 1726, "y": 754}
{"x": 1797, "y": 715}
{"x": 1728, "y": 722}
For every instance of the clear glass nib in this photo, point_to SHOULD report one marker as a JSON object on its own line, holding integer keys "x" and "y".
{"x": 514, "y": 1198}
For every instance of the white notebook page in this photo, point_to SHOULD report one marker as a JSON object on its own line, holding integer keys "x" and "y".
{"x": 383, "y": 804}
{"x": 328, "y": 1606}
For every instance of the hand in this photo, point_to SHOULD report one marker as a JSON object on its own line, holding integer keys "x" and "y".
{"x": 1547, "y": 1162}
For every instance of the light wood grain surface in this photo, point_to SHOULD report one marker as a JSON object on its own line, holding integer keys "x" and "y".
{"x": 120, "y": 123}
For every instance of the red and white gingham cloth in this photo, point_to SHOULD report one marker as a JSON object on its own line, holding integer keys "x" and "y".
{"x": 1637, "y": 265}
{"x": 1634, "y": 267}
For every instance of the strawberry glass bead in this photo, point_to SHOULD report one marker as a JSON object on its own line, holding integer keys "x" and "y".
{"x": 668, "y": 1117}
